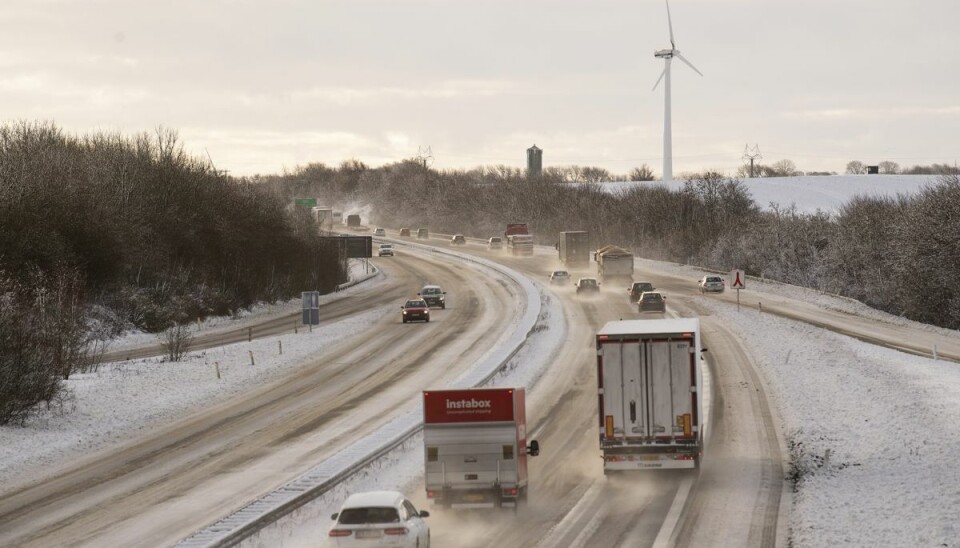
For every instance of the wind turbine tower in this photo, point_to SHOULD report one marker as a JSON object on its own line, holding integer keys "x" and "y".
{"x": 667, "y": 55}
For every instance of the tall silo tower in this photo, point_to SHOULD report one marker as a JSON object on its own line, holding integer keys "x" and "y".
{"x": 534, "y": 161}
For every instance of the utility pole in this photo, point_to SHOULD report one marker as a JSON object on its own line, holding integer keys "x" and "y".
{"x": 751, "y": 154}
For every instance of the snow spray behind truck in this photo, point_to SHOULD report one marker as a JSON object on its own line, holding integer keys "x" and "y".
{"x": 475, "y": 447}
{"x": 649, "y": 393}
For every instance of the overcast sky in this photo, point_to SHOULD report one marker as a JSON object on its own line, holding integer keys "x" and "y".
{"x": 268, "y": 85}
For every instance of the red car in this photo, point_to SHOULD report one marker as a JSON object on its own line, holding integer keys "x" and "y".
{"x": 416, "y": 309}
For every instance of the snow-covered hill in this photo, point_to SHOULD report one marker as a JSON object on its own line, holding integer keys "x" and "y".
{"x": 814, "y": 192}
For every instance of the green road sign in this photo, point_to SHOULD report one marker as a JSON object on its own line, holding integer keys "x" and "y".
{"x": 305, "y": 202}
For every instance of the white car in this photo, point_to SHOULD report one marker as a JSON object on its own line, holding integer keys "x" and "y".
{"x": 709, "y": 284}
{"x": 559, "y": 277}
{"x": 386, "y": 250}
{"x": 379, "y": 232}
{"x": 380, "y": 518}
{"x": 495, "y": 242}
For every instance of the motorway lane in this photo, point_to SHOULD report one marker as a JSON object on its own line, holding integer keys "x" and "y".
{"x": 160, "y": 488}
{"x": 573, "y": 504}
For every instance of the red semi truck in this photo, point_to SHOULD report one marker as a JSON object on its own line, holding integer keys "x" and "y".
{"x": 475, "y": 447}
{"x": 519, "y": 239}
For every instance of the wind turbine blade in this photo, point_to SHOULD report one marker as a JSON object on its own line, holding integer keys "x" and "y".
{"x": 670, "y": 23}
{"x": 658, "y": 79}
{"x": 689, "y": 64}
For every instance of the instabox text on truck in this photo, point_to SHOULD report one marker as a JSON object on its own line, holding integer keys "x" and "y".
{"x": 649, "y": 391}
{"x": 475, "y": 447}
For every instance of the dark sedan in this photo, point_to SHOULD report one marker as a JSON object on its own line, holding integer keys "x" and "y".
{"x": 651, "y": 301}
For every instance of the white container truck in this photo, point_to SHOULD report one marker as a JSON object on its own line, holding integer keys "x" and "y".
{"x": 324, "y": 218}
{"x": 649, "y": 392}
{"x": 475, "y": 447}
{"x": 614, "y": 262}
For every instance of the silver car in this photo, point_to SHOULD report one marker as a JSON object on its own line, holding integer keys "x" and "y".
{"x": 712, "y": 284}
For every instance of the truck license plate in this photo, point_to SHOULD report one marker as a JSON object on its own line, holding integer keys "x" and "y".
{"x": 474, "y": 498}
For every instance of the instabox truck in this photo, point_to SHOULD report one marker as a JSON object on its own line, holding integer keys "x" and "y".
{"x": 649, "y": 392}
{"x": 475, "y": 447}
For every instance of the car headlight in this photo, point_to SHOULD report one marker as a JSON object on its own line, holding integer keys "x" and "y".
{"x": 404, "y": 312}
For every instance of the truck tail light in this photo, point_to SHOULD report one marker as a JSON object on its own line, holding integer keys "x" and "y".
{"x": 396, "y": 531}
{"x": 608, "y": 424}
{"x": 431, "y": 494}
{"x": 340, "y": 532}
{"x": 509, "y": 492}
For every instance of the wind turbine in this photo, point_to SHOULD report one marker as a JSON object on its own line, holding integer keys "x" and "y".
{"x": 667, "y": 55}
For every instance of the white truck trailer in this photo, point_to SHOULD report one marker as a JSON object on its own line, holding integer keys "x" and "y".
{"x": 649, "y": 392}
{"x": 475, "y": 447}
{"x": 614, "y": 262}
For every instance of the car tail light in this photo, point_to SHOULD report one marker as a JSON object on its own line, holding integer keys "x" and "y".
{"x": 340, "y": 532}
{"x": 396, "y": 531}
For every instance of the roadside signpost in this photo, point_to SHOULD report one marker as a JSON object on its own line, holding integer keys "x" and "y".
{"x": 739, "y": 281}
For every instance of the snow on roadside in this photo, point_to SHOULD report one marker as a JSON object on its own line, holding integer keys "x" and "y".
{"x": 812, "y": 296}
{"x": 402, "y": 468}
{"x": 123, "y": 399}
{"x": 872, "y": 434}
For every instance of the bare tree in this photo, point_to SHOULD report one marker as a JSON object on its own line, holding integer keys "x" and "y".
{"x": 889, "y": 168}
{"x": 176, "y": 341}
{"x": 856, "y": 167}
{"x": 783, "y": 168}
{"x": 642, "y": 173}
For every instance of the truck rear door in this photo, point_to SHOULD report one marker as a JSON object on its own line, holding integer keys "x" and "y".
{"x": 647, "y": 388}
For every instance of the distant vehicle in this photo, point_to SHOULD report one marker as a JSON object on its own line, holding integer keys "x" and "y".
{"x": 353, "y": 220}
{"x": 475, "y": 447}
{"x": 338, "y": 217}
{"x": 587, "y": 285}
{"x": 324, "y": 218}
{"x": 495, "y": 242}
{"x": 650, "y": 394}
{"x": 651, "y": 301}
{"x": 711, "y": 284}
{"x": 415, "y": 309}
{"x": 380, "y": 518}
{"x": 559, "y": 277}
{"x": 574, "y": 248}
{"x": 404, "y": 232}
{"x": 614, "y": 263}
{"x": 637, "y": 288}
{"x": 458, "y": 239}
{"x": 386, "y": 250}
{"x": 423, "y": 234}
{"x": 519, "y": 239}
{"x": 379, "y": 232}
{"x": 434, "y": 296}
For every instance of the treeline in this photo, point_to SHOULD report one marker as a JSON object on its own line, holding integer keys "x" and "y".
{"x": 901, "y": 255}
{"x": 130, "y": 232}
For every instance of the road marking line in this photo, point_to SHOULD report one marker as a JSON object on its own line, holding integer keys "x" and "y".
{"x": 673, "y": 515}
{"x": 561, "y": 529}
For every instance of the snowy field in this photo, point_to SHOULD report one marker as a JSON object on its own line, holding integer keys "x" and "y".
{"x": 811, "y": 193}
{"x": 123, "y": 399}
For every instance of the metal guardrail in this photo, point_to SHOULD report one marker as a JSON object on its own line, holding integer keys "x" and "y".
{"x": 254, "y": 516}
